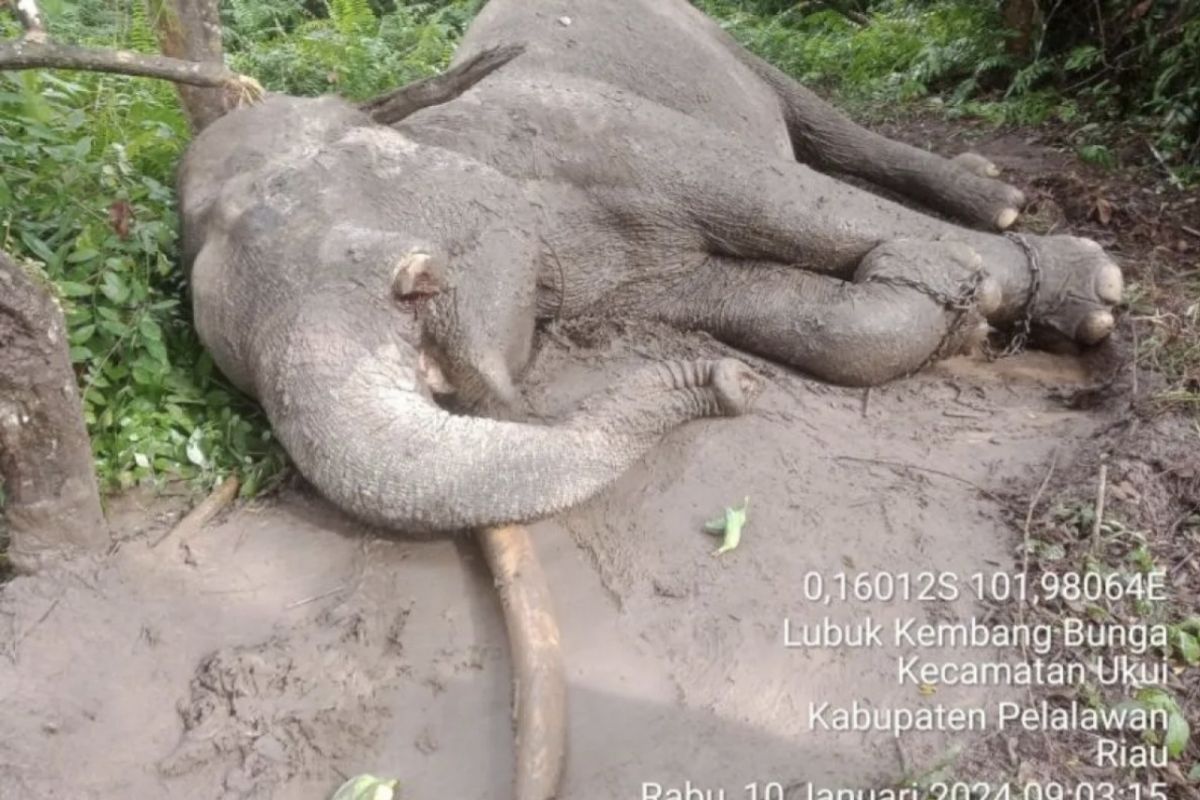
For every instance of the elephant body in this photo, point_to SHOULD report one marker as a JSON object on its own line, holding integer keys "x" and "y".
{"x": 633, "y": 159}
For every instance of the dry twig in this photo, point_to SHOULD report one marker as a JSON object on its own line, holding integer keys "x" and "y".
{"x": 904, "y": 465}
{"x": 1099, "y": 506}
{"x": 1033, "y": 503}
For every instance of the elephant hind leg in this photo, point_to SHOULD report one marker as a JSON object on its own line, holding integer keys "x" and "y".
{"x": 909, "y": 302}
{"x": 964, "y": 187}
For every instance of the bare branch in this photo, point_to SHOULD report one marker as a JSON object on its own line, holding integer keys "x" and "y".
{"x": 27, "y": 54}
{"x": 399, "y": 103}
{"x": 190, "y": 35}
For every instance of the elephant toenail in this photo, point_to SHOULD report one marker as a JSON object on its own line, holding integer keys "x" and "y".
{"x": 1006, "y": 218}
{"x": 1109, "y": 284}
{"x": 974, "y": 339}
{"x": 989, "y": 296}
{"x": 1095, "y": 327}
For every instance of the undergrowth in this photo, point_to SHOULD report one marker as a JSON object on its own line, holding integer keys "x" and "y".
{"x": 1105, "y": 81}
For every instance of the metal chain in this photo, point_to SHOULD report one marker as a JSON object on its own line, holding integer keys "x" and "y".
{"x": 961, "y": 303}
{"x": 1024, "y": 325}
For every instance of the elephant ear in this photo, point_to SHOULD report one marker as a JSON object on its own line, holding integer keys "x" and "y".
{"x": 418, "y": 275}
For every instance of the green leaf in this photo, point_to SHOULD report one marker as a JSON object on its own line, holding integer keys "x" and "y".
{"x": 113, "y": 327}
{"x": 82, "y": 254}
{"x": 1156, "y": 699}
{"x": 366, "y": 787}
{"x": 195, "y": 453}
{"x": 1097, "y": 154}
{"x": 82, "y": 334}
{"x": 1178, "y": 732}
{"x": 730, "y": 528}
{"x": 73, "y": 289}
{"x": 115, "y": 288}
{"x": 1189, "y": 648}
{"x": 144, "y": 377}
{"x": 1082, "y": 58}
{"x": 150, "y": 329}
{"x": 83, "y": 148}
{"x": 38, "y": 247}
{"x": 157, "y": 351}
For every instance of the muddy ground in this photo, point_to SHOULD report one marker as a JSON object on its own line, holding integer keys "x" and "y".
{"x": 285, "y": 647}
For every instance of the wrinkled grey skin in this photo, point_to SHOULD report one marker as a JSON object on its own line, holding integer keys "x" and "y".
{"x": 633, "y": 159}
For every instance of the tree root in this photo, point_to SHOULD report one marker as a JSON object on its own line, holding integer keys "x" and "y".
{"x": 203, "y": 513}
{"x": 539, "y": 684}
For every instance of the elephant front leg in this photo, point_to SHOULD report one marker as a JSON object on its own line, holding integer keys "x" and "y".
{"x": 909, "y": 303}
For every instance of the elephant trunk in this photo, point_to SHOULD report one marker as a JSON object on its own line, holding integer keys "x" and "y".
{"x": 343, "y": 391}
{"x": 340, "y": 386}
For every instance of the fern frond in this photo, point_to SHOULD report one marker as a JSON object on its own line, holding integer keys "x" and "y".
{"x": 352, "y": 17}
{"x": 141, "y": 34}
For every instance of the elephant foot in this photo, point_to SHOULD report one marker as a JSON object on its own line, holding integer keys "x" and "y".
{"x": 992, "y": 203}
{"x": 1076, "y": 287}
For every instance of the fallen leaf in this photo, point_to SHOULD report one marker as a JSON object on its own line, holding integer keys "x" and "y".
{"x": 729, "y": 527}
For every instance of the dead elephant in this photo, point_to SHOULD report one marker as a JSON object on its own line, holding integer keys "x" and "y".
{"x": 634, "y": 158}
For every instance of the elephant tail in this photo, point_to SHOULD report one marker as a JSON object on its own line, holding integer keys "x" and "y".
{"x": 539, "y": 683}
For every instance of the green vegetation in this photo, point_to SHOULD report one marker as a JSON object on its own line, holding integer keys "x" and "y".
{"x": 86, "y": 198}
{"x": 351, "y": 48}
{"x": 1115, "y": 65}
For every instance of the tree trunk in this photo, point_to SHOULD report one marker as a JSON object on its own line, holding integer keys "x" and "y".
{"x": 53, "y": 506}
{"x": 1022, "y": 18}
{"x": 191, "y": 30}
